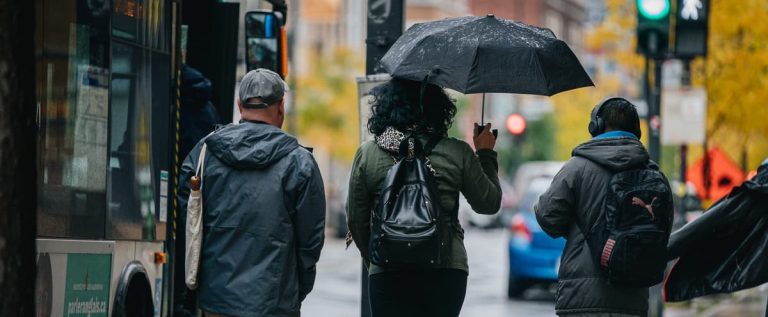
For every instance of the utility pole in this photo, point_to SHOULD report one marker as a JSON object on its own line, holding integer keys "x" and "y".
{"x": 653, "y": 26}
{"x": 18, "y": 173}
{"x": 691, "y": 33}
{"x": 686, "y": 82}
{"x": 654, "y": 109}
{"x": 385, "y": 22}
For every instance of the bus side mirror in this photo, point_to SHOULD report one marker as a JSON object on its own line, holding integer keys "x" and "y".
{"x": 266, "y": 42}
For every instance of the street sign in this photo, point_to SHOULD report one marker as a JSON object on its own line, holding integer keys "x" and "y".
{"x": 684, "y": 116}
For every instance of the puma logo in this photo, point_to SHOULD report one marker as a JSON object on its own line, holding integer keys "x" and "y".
{"x": 639, "y": 202}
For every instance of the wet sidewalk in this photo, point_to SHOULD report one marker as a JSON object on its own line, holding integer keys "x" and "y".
{"x": 747, "y": 303}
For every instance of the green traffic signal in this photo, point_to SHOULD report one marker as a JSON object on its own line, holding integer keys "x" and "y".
{"x": 653, "y": 9}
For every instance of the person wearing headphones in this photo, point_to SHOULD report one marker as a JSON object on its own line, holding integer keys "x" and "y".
{"x": 577, "y": 199}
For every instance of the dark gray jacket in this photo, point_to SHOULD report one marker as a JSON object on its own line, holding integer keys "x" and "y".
{"x": 264, "y": 216}
{"x": 577, "y": 195}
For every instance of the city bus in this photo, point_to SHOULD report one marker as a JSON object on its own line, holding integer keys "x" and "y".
{"x": 108, "y": 113}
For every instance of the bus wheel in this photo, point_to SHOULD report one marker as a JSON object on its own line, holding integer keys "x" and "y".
{"x": 134, "y": 294}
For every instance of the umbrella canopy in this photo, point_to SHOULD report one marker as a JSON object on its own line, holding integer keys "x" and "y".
{"x": 486, "y": 54}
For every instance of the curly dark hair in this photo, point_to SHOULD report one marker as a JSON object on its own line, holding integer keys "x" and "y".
{"x": 396, "y": 104}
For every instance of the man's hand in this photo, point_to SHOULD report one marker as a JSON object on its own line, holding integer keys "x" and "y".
{"x": 485, "y": 140}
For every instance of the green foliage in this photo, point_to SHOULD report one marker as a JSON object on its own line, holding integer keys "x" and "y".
{"x": 462, "y": 105}
{"x": 735, "y": 74}
{"x": 327, "y": 104}
{"x": 537, "y": 143}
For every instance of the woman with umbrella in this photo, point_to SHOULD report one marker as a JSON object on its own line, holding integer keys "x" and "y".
{"x": 402, "y": 108}
{"x": 468, "y": 55}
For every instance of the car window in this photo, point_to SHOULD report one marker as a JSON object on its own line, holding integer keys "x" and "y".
{"x": 537, "y": 187}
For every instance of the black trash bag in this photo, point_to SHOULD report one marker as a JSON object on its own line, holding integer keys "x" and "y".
{"x": 726, "y": 249}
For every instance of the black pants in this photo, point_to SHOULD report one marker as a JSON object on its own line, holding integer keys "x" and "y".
{"x": 423, "y": 293}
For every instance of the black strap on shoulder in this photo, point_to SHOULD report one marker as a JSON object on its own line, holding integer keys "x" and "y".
{"x": 405, "y": 146}
{"x": 418, "y": 148}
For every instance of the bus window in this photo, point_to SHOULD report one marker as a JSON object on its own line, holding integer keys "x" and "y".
{"x": 139, "y": 128}
{"x": 125, "y": 20}
{"x": 124, "y": 160}
{"x": 73, "y": 96}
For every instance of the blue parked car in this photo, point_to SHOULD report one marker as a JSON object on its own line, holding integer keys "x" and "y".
{"x": 534, "y": 257}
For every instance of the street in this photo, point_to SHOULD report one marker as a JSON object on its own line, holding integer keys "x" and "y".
{"x": 337, "y": 289}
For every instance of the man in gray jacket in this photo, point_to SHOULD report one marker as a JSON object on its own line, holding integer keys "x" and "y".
{"x": 264, "y": 209}
{"x": 576, "y": 199}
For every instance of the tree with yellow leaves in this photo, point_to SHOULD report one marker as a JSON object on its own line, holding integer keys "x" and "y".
{"x": 735, "y": 74}
{"x": 327, "y": 104}
{"x": 612, "y": 41}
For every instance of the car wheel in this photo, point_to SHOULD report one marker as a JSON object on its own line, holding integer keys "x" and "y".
{"x": 517, "y": 286}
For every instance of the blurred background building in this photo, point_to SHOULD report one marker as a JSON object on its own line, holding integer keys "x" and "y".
{"x": 327, "y": 48}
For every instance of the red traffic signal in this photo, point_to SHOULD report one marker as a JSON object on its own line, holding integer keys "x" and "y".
{"x": 515, "y": 124}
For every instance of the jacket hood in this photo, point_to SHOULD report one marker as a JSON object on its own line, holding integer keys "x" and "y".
{"x": 196, "y": 90}
{"x": 251, "y": 145}
{"x": 616, "y": 154}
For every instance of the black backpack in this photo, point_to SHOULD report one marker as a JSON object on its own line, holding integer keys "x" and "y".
{"x": 408, "y": 226}
{"x": 629, "y": 239}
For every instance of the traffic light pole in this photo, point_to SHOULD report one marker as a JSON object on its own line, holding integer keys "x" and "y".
{"x": 686, "y": 82}
{"x": 654, "y": 111}
{"x": 653, "y": 99}
{"x": 385, "y": 22}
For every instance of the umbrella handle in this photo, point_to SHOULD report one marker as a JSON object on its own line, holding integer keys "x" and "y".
{"x": 479, "y": 127}
{"x": 421, "y": 92}
{"x": 482, "y": 112}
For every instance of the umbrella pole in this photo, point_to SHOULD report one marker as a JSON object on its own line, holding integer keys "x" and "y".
{"x": 482, "y": 112}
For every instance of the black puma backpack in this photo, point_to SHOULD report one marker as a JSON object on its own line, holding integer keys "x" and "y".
{"x": 629, "y": 239}
{"x": 408, "y": 226}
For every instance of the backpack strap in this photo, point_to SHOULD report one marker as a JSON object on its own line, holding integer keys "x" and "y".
{"x": 410, "y": 147}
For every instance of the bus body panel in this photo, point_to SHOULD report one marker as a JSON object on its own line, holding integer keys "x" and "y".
{"x": 80, "y": 277}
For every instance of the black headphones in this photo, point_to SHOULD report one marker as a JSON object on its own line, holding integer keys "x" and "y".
{"x": 597, "y": 124}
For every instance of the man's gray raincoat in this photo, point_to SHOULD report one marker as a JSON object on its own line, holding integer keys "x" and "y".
{"x": 263, "y": 221}
{"x": 577, "y": 196}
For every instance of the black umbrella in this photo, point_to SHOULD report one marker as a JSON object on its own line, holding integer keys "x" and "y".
{"x": 726, "y": 249}
{"x": 486, "y": 54}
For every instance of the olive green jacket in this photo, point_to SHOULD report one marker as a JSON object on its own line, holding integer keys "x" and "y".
{"x": 458, "y": 169}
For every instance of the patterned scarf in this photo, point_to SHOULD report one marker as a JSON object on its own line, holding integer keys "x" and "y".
{"x": 390, "y": 139}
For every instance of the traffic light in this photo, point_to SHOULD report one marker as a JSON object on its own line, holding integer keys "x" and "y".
{"x": 515, "y": 124}
{"x": 653, "y": 27}
{"x": 691, "y": 24}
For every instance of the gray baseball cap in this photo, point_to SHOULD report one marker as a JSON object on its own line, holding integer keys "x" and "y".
{"x": 263, "y": 84}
